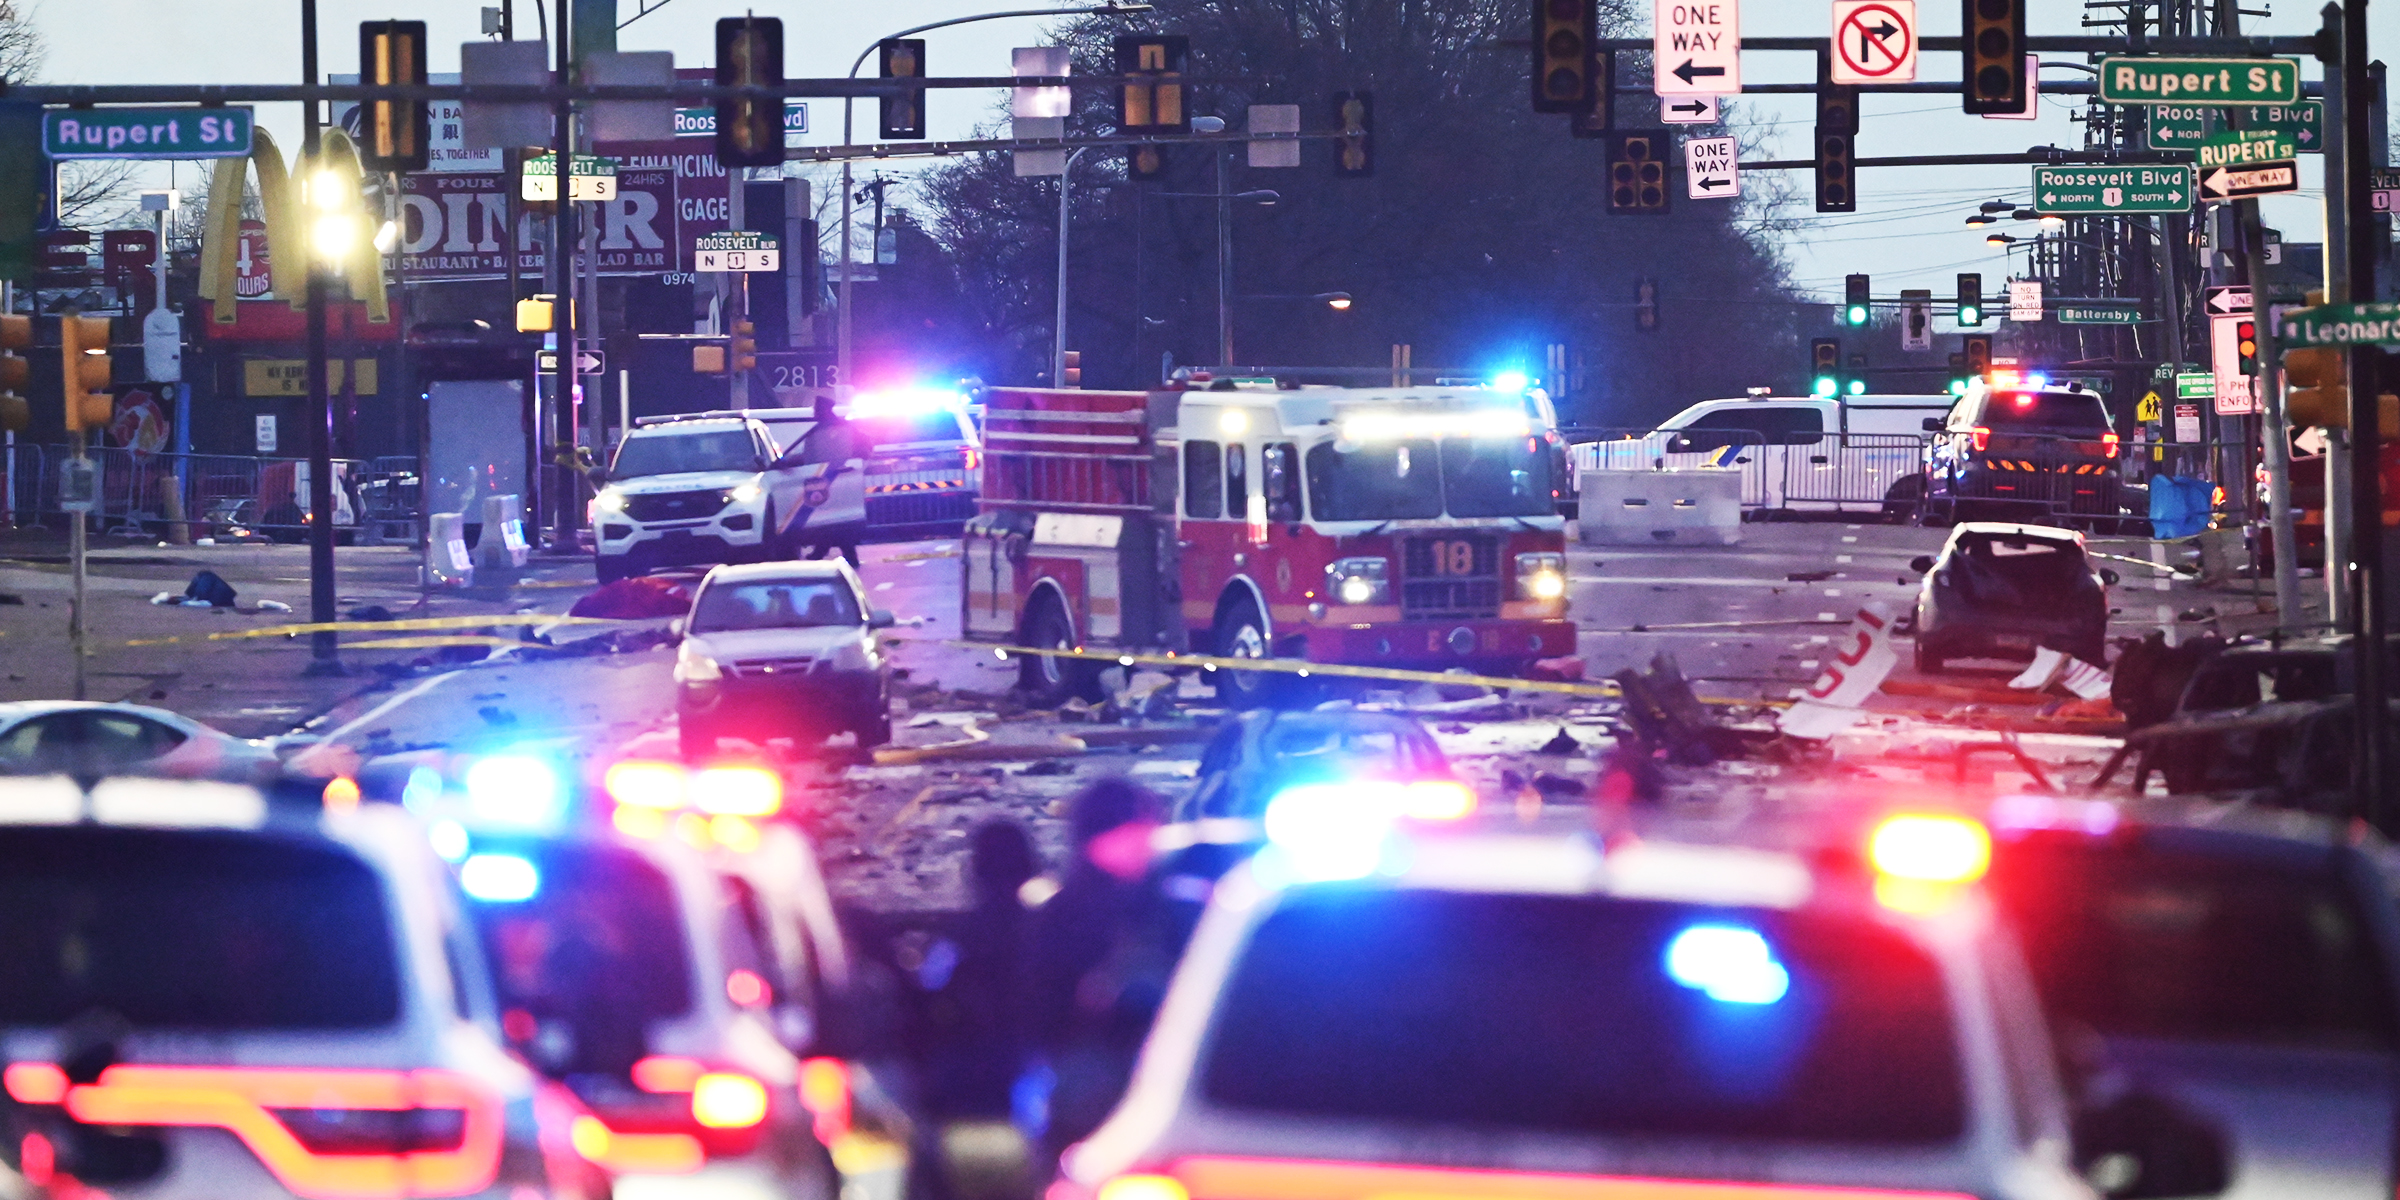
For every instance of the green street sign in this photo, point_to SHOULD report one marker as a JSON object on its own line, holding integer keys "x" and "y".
{"x": 2200, "y": 386}
{"x": 147, "y": 132}
{"x": 2160, "y": 80}
{"x": 589, "y": 177}
{"x": 2342, "y": 325}
{"x": 2185, "y": 126}
{"x": 2082, "y": 191}
{"x": 2071, "y": 314}
{"x": 2243, "y": 147}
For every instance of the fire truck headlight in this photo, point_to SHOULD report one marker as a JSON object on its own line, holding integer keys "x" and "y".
{"x": 1360, "y": 580}
{"x": 1542, "y": 576}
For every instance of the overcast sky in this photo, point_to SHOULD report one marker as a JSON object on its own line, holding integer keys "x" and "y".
{"x": 1909, "y": 229}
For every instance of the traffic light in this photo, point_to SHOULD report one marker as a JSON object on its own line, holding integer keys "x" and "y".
{"x": 1970, "y": 300}
{"x": 1563, "y": 34}
{"x": 1854, "y": 381}
{"x": 1958, "y": 375}
{"x": 1151, "y": 98}
{"x": 1354, "y": 150}
{"x": 1637, "y": 172}
{"x": 1994, "y": 46}
{"x": 2245, "y": 344}
{"x": 2318, "y": 395}
{"x": 83, "y": 358}
{"x": 393, "y": 135}
{"x": 1836, "y": 139}
{"x": 744, "y": 350}
{"x": 1595, "y": 119}
{"x": 1978, "y": 355}
{"x": 1645, "y": 304}
{"x": 708, "y": 358}
{"x": 16, "y": 333}
{"x": 1854, "y": 300}
{"x": 1825, "y": 367}
{"x": 1070, "y": 369}
{"x": 904, "y": 113}
{"x": 750, "y": 54}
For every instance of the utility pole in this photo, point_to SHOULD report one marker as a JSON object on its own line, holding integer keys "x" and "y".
{"x": 565, "y": 410}
{"x": 2373, "y": 777}
{"x": 2276, "y": 430}
{"x": 323, "y": 647}
{"x": 1224, "y": 257}
{"x": 2337, "y": 291}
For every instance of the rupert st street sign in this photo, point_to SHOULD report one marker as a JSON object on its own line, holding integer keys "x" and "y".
{"x": 2163, "y": 80}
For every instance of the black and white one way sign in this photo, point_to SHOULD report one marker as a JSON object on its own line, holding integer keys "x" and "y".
{"x": 1709, "y": 170}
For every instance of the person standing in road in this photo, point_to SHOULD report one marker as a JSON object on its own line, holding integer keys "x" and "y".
{"x": 1097, "y": 959}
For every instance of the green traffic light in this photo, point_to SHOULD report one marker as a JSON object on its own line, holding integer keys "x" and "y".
{"x": 1827, "y": 386}
{"x": 1858, "y": 387}
{"x": 1969, "y": 315}
{"x": 1858, "y": 314}
{"x": 1958, "y": 387}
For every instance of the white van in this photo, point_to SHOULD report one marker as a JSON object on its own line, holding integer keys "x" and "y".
{"x": 1796, "y": 453}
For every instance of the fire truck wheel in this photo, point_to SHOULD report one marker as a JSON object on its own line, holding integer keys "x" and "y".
{"x": 1242, "y": 633}
{"x": 1046, "y": 680}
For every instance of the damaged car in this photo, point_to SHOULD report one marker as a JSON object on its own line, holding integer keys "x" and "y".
{"x": 2000, "y": 590}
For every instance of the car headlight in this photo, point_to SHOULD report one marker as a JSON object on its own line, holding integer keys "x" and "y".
{"x": 1542, "y": 576}
{"x": 694, "y": 666}
{"x": 742, "y": 493}
{"x": 1359, "y": 580}
{"x": 610, "y": 500}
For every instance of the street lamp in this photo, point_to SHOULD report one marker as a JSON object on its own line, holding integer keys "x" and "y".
{"x": 1338, "y": 301}
{"x": 842, "y": 341}
{"x": 1263, "y": 197}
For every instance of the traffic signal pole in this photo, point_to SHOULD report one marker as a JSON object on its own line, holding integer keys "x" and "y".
{"x": 323, "y": 647}
{"x": 564, "y": 413}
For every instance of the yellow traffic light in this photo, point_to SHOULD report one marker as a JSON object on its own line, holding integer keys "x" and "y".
{"x": 708, "y": 359}
{"x": 16, "y": 333}
{"x": 535, "y": 316}
{"x": 745, "y": 346}
{"x": 2317, "y": 395}
{"x": 84, "y": 362}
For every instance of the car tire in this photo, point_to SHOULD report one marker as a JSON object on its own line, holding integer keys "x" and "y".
{"x": 1242, "y": 633}
{"x": 1904, "y": 504}
{"x": 1048, "y": 681}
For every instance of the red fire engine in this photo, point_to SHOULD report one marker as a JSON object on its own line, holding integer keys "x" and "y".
{"x": 1396, "y": 527}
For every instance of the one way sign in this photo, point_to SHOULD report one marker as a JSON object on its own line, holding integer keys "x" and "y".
{"x": 1697, "y": 48}
{"x": 1709, "y": 170}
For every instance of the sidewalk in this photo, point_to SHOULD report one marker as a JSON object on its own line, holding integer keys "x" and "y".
{"x": 247, "y": 687}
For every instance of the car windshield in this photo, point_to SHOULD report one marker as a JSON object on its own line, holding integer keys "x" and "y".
{"x": 673, "y": 453}
{"x": 2072, "y": 412}
{"x": 595, "y": 954}
{"x": 198, "y": 930}
{"x": 2017, "y": 572}
{"x": 1410, "y": 478}
{"x": 1590, "y": 1015}
{"x": 2149, "y": 939}
{"x": 774, "y": 604}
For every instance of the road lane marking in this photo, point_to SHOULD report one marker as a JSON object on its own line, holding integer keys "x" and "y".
{"x": 394, "y": 702}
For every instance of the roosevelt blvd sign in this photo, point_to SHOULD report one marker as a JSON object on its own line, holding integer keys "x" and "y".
{"x": 2199, "y": 81}
{"x": 2074, "y": 191}
{"x": 2341, "y": 325}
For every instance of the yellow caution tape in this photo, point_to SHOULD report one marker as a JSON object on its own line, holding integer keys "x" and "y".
{"x": 436, "y": 642}
{"x": 407, "y": 624}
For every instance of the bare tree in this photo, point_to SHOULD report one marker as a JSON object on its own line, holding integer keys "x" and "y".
{"x": 21, "y": 49}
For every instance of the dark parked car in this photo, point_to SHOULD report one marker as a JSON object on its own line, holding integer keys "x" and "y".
{"x": 2001, "y": 591}
{"x": 2241, "y": 973}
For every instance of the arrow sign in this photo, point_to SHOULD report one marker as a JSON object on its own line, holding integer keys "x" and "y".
{"x": 1699, "y": 110}
{"x": 1704, "y": 41}
{"x": 2227, "y": 301}
{"x": 587, "y": 362}
{"x": 1874, "y": 41}
{"x": 1709, "y": 170}
{"x": 2236, "y": 183}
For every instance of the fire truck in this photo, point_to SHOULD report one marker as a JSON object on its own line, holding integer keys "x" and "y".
{"x": 1409, "y": 527}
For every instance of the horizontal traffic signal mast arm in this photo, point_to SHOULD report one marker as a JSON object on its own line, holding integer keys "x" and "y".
{"x": 697, "y": 91}
{"x": 2108, "y": 157}
{"x": 2073, "y": 44}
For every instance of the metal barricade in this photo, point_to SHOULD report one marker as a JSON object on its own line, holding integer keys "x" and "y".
{"x": 1878, "y": 471}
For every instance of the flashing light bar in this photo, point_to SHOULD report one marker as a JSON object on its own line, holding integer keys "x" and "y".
{"x": 1922, "y": 860}
{"x": 1472, "y": 423}
{"x": 515, "y": 789}
{"x": 1727, "y": 963}
{"x": 1511, "y": 381}
{"x": 904, "y": 402}
{"x": 499, "y": 878}
{"x": 1329, "y": 831}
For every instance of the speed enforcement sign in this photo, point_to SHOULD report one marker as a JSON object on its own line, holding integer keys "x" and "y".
{"x": 1874, "y": 41}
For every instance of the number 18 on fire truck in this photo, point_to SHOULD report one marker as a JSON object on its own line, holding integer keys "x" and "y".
{"x": 1396, "y": 527}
